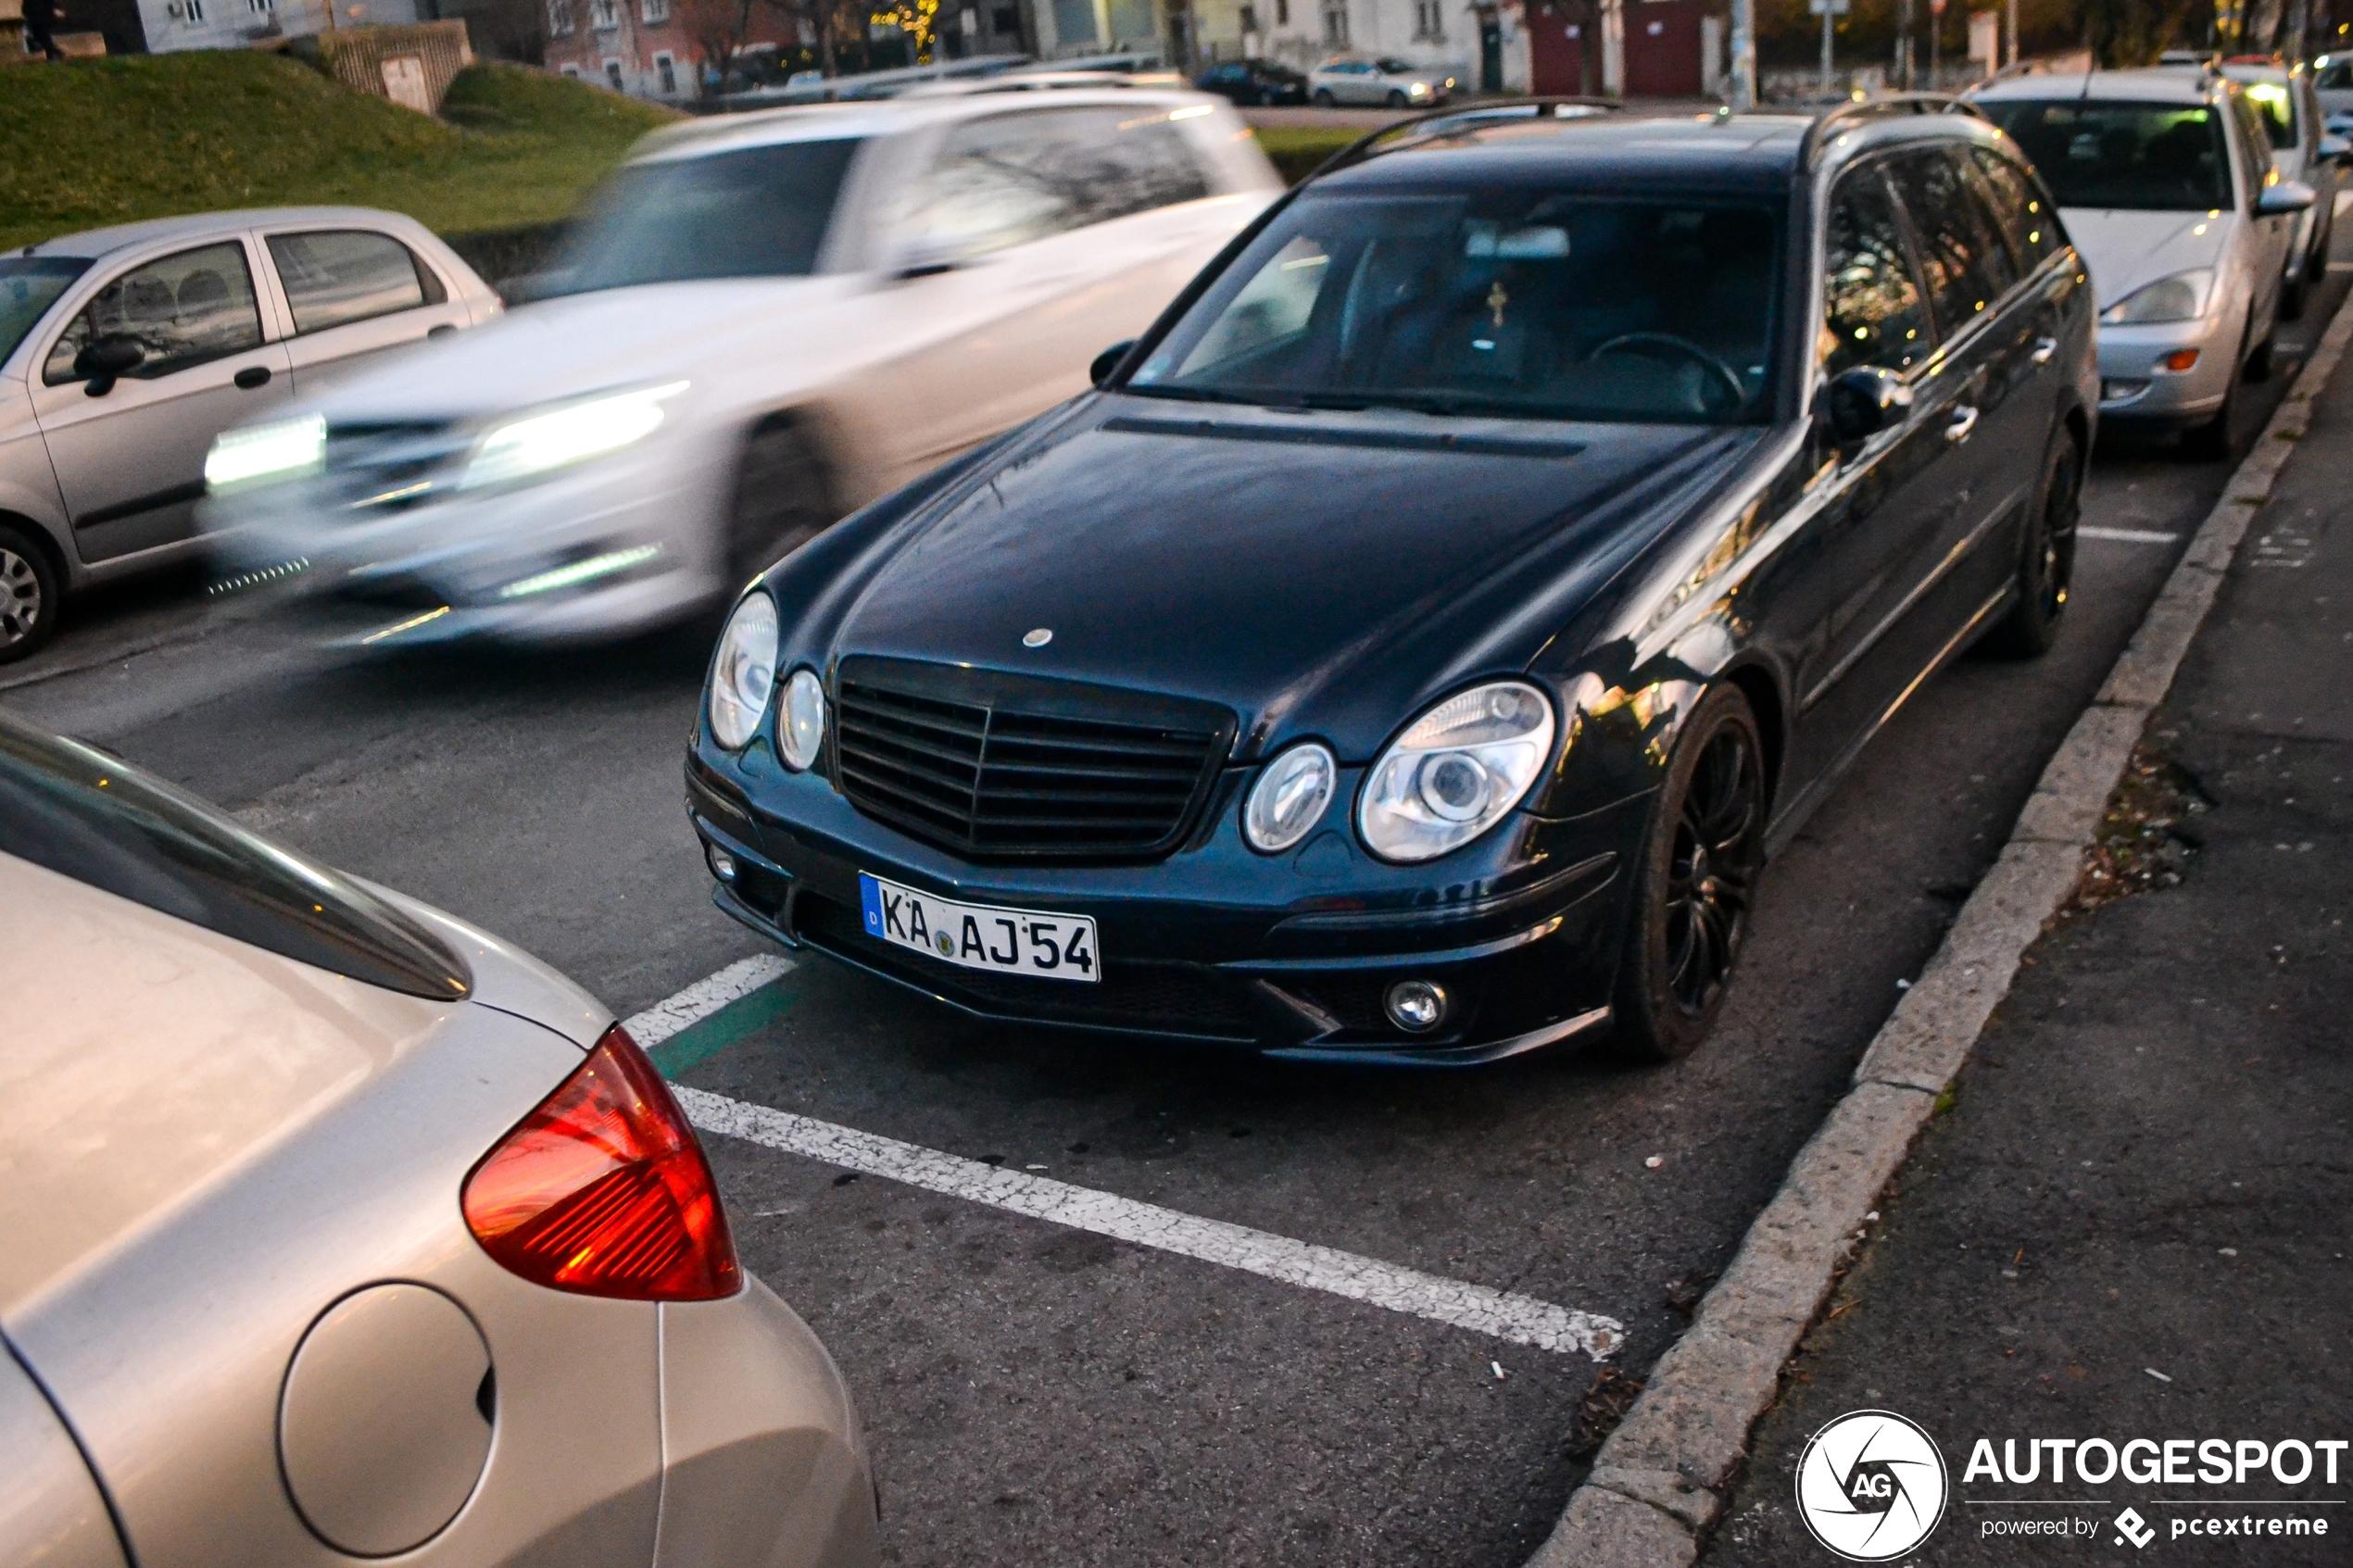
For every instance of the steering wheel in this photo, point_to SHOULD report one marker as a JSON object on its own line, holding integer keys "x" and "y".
{"x": 1719, "y": 371}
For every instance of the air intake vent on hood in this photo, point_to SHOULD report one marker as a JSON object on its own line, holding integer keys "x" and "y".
{"x": 994, "y": 766}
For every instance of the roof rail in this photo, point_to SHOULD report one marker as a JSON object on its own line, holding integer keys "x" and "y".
{"x": 1880, "y": 106}
{"x": 1434, "y": 123}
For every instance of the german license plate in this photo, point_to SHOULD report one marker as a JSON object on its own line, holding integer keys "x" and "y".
{"x": 1031, "y": 942}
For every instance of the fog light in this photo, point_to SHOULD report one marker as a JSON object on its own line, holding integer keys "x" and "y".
{"x": 2181, "y": 359}
{"x": 723, "y": 865}
{"x": 1416, "y": 1006}
{"x": 2117, "y": 391}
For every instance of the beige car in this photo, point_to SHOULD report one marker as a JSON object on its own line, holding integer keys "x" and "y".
{"x": 336, "y": 1229}
{"x": 123, "y": 352}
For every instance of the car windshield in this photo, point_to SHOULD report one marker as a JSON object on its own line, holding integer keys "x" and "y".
{"x": 759, "y": 212}
{"x": 2275, "y": 108}
{"x": 2158, "y": 157}
{"x": 1530, "y": 304}
{"x": 29, "y": 285}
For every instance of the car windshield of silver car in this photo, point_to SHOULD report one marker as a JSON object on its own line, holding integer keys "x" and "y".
{"x": 1512, "y": 303}
{"x": 2160, "y": 157}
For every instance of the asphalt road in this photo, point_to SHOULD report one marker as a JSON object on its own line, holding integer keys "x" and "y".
{"x": 1050, "y": 1396}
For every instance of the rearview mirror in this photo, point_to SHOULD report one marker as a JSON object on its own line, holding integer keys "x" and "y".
{"x": 928, "y": 255}
{"x": 1865, "y": 400}
{"x": 106, "y": 361}
{"x": 2285, "y": 199}
{"x": 1108, "y": 361}
{"x": 2333, "y": 148}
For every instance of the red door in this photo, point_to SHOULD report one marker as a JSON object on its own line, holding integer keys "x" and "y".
{"x": 1662, "y": 49}
{"x": 1555, "y": 55}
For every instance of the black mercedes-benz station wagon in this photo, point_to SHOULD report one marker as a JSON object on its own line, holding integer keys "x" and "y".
{"x": 1413, "y": 647}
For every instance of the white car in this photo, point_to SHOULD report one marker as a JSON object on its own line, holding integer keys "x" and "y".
{"x": 2302, "y": 150}
{"x": 762, "y": 324}
{"x": 2333, "y": 87}
{"x": 1397, "y": 83}
{"x": 2166, "y": 182}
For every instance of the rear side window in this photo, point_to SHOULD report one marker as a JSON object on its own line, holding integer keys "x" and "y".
{"x": 1871, "y": 309}
{"x": 2023, "y": 207}
{"x": 181, "y": 310}
{"x": 1010, "y": 179}
{"x": 348, "y": 275}
{"x": 83, "y": 814}
{"x": 1963, "y": 261}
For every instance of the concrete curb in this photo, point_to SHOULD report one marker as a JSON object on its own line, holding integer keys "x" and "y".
{"x": 1659, "y": 1482}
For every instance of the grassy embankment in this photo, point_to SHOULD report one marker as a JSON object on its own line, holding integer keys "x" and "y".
{"x": 114, "y": 141}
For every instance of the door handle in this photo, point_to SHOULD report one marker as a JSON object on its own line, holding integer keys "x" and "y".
{"x": 1964, "y": 421}
{"x": 253, "y": 376}
{"x": 2043, "y": 349}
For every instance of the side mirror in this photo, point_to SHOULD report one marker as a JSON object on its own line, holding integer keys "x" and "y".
{"x": 106, "y": 360}
{"x": 1865, "y": 400}
{"x": 927, "y": 255}
{"x": 2285, "y": 199}
{"x": 2334, "y": 149}
{"x": 1108, "y": 361}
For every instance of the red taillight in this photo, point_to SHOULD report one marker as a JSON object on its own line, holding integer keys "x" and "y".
{"x": 603, "y": 1190}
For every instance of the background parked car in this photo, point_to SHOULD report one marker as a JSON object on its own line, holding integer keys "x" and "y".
{"x": 764, "y": 322}
{"x": 123, "y": 352}
{"x": 2304, "y": 150}
{"x": 2333, "y": 88}
{"x": 2167, "y": 183}
{"x": 1261, "y": 83}
{"x": 1394, "y": 82}
{"x": 337, "y": 1228}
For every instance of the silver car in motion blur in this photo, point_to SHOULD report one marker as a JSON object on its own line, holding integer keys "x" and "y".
{"x": 766, "y": 321}
{"x": 338, "y": 1229}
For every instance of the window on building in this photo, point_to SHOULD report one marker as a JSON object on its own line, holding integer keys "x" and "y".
{"x": 350, "y": 275}
{"x": 666, "y": 72}
{"x": 1336, "y": 26}
{"x": 559, "y": 25}
{"x": 656, "y": 12}
{"x": 191, "y": 12}
{"x": 1005, "y": 20}
{"x": 1249, "y": 19}
{"x": 263, "y": 8}
{"x": 1429, "y": 19}
{"x": 612, "y": 75}
{"x": 572, "y": 71}
{"x": 1282, "y": 13}
{"x": 604, "y": 14}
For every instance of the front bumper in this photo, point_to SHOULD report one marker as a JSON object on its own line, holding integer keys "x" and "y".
{"x": 611, "y": 547}
{"x": 2137, "y": 389}
{"x": 1288, "y": 956}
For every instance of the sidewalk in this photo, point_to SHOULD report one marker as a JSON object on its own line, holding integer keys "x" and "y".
{"x": 2135, "y": 1219}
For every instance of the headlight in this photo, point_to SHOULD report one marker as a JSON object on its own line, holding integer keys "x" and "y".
{"x": 540, "y": 444}
{"x": 1290, "y": 798}
{"x": 744, "y": 670}
{"x": 1457, "y": 772}
{"x": 2178, "y": 298}
{"x": 1418, "y": 89}
{"x": 802, "y": 727}
{"x": 278, "y": 451}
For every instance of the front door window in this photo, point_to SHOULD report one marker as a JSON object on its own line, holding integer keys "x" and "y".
{"x": 182, "y": 310}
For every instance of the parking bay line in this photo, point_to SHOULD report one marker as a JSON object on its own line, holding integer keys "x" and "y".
{"x": 2129, "y": 535}
{"x": 712, "y": 1014}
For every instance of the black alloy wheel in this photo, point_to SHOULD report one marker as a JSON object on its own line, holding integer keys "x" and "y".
{"x": 2047, "y": 566}
{"x": 29, "y": 597}
{"x": 780, "y": 501}
{"x": 1695, "y": 882}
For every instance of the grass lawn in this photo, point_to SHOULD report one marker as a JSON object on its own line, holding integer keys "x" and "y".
{"x": 113, "y": 141}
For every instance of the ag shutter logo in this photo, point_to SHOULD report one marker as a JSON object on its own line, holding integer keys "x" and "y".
{"x": 1871, "y": 1486}
{"x": 2131, "y": 1526}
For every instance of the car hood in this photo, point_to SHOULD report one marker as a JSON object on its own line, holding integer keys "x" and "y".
{"x": 2127, "y": 249}
{"x": 1317, "y": 573}
{"x": 715, "y": 334}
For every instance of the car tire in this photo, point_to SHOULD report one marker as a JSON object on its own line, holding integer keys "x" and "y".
{"x": 29, "y": 597}
{"x": 1323, "y": 97}
{"x": 2211, "y": 440}
{"x": 2292, "y": 298}
{"x": 2316, "y": 262}
{"x": 2047, "y": 564}
{"x": 1396, "y": 99}
{"x": 2257, "y": 368}
{"x": 780, "y": 501}
{"x": 1693, "y": 884}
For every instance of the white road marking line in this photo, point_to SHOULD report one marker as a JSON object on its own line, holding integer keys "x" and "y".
{"x": 2128, "y": 535}
{"x": 704, "y": 997}
{"x": 1523, "y": 1320}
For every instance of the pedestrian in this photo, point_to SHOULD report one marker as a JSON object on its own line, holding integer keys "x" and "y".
{"x": 41, "y": 29}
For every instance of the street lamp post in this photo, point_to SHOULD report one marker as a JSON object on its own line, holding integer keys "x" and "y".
{"x": 1742, "y": 88}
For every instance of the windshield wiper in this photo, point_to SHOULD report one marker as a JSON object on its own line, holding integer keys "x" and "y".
{"x": 1192, "y": 395}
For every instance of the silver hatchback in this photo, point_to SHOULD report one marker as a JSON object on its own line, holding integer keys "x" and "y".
{"x": 337, "y": 1229}
{"x": 124, "y": 351}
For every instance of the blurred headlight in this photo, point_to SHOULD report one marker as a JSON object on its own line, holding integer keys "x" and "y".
{"x": 744, "y": 672}
{"x": 540, "y": 444}
{"x": 1418, "y": 89}
{"x": 1290, "y": 798}
{"x": 1457, "y": 772}
{"x": 802, "y": 727}
{"x": 2177, "y": 298}
{"x": 278, "y": 451}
